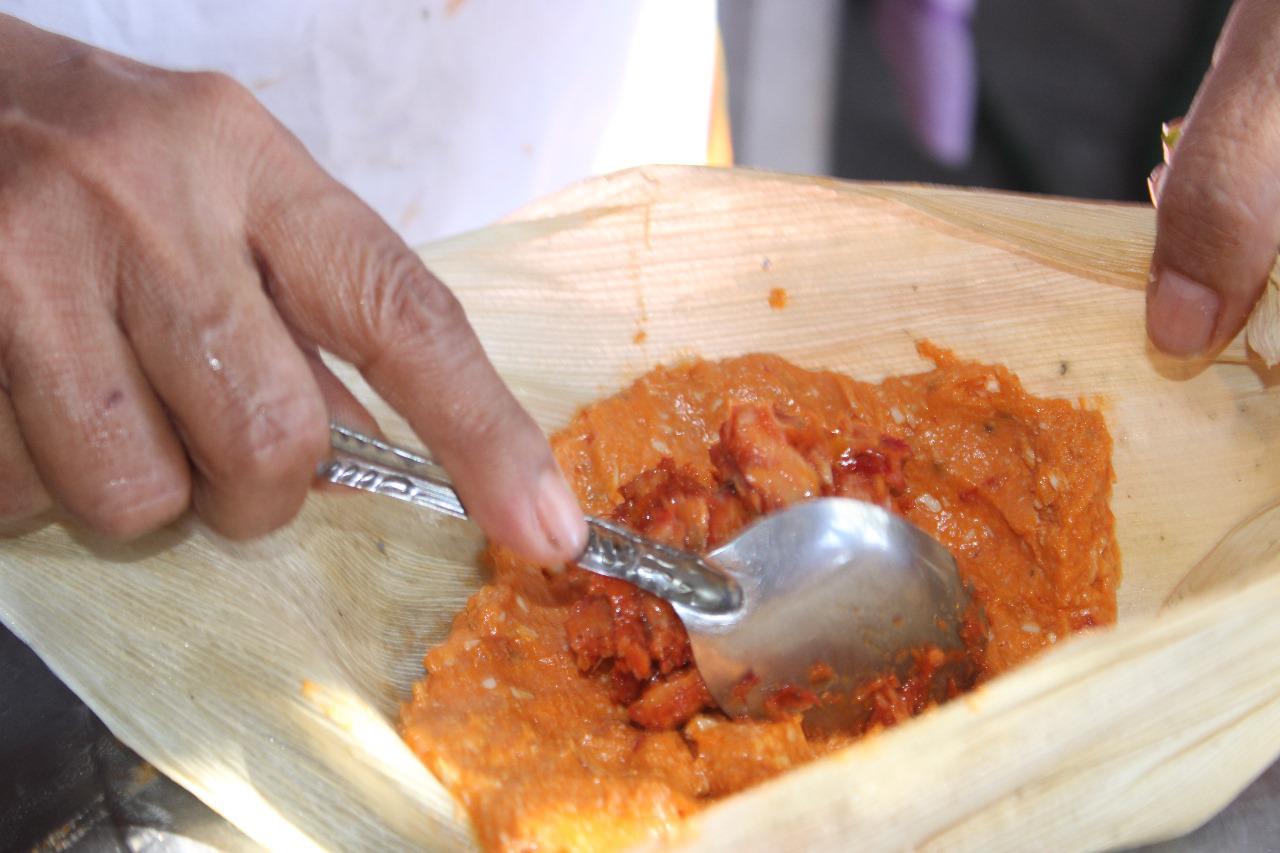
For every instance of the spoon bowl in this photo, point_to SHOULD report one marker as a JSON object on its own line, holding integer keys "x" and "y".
{"x": 835, "y": 594}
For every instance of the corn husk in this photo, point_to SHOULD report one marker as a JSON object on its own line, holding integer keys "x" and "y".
{"x": 265, "y": 677}
{"x": 1263, "y": 329}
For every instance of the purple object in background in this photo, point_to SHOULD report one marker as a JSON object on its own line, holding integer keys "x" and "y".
{"x": 929, "y": 45}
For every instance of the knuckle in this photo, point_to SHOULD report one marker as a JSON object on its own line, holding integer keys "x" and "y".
{"x": 408, "y": 305}
{"x": 238, "y": 133}
{"x": 22, "y": 498}
{"x": 39, "y": 211}
{"x": 277, "y": 437}
{"x": 241, "y": 520}
{"x": 479, "y": 426}
{"x": 237, "y": 527}
{"x": 127, "y": 507}
{"x": 213, "y": 91}
{"x": 34, "y": 156}
{"x": 71, "y": 132}
{"x": 234, "y": 126}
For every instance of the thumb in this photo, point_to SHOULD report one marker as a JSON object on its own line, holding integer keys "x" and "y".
{"x": 1218, "y": 215}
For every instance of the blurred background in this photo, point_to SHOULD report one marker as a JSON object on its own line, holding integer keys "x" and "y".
{"x": 1067, "y": 95}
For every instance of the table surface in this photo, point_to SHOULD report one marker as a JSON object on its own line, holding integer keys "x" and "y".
{"x": 66, "y": 784}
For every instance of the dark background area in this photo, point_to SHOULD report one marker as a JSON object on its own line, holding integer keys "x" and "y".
{"x": 1071, "y": 94}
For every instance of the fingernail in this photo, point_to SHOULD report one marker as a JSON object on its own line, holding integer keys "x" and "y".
{"x": 1155, "y": 183}
{"x": 1181, "y": 314}
{"x": 560, "y": 515}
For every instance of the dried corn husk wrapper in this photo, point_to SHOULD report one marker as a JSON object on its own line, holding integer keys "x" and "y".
{"x": 265, "y": 677}
{"x": 1263, "y": 329}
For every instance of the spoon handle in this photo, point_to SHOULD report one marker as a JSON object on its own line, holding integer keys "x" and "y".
{"x": 681, "y": 577}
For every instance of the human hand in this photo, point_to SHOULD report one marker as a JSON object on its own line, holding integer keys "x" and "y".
{"x": 172, "y": 262}
{"x": 1218, "y": 218}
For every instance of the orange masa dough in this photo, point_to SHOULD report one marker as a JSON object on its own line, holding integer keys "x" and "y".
{"x": 563, "y": 712}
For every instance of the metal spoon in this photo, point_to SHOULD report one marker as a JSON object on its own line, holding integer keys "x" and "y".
{"x": 824, "y": 596}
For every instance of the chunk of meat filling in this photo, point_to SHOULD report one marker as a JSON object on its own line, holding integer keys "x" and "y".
{"x": 668, "y": 703}
{"x": 765, "y": 460}
{"x": 678, "y": 506}
{"x": 668, "y": 642}
{"x": 590, "y": 631}
{"x": 764, "y": 466}
{"x": 613, "y": 621}
{"x": 774, "y": 460}
{"x": 872, "y": 474}
{"x": 639, "y": 638}
{"x": 893, "y": 700}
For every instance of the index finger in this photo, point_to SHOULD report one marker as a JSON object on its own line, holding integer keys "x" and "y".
{"x": 347, "y": 283}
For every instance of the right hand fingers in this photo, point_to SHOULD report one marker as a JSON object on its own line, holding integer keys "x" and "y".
{"x": 96, "y": 434}
{"x": 344, "y": 280}
{"x": 236, "y": 387}
{"x": 164, "y": 170}
{"x": 340, "y": 277}
{"x": 121, "y": 200}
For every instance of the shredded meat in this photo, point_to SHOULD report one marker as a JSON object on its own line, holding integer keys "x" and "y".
{"x": 668, "y": 703}
{"x": 765, "y": 468}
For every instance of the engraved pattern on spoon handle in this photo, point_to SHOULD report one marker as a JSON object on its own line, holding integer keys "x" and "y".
{"x": 375, "y": 466}
{"x": 379, "y": 481}
{"x": 680, "y": 577}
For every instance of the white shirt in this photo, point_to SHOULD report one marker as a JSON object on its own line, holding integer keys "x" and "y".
{"x": 442, "y": 114}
